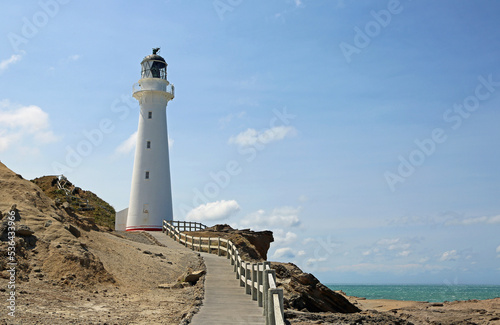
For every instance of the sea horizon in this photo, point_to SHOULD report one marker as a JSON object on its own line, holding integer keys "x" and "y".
{"x": 420, "y": 292}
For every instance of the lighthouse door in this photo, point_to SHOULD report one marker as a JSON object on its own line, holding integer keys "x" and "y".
{"x": 145, "y": 213}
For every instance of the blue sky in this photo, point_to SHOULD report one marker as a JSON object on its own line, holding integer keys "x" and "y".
{"x": 363, "y": 133}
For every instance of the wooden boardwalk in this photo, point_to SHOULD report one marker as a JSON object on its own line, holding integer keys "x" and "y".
{"x": 225, "y": 302}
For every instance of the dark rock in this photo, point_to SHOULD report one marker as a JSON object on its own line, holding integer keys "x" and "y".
{"x": 73, "y": 230}
{"x": 252, "y": 245}
{"x": 24, "y": 230}
{"x": 303, "y": 291}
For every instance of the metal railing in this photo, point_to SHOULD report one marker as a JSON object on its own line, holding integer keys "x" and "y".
{"x": 258, "y": 279}
{"x": 170, "y": 88}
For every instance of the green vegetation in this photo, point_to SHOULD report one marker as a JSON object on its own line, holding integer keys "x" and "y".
{"x": 84, "y": 203}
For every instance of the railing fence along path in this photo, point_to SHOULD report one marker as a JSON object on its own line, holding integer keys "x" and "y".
{"x": 258, "y": 279}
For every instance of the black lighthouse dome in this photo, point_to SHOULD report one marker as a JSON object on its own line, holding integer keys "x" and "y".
{"x": 154, "y": 66}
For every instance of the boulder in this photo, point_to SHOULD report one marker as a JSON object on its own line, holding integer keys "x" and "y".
{"x": 73, "y": 230}
{"x": 303, "y": 291}
{"x": 24, "y": 230}
{"x": 191, "y": 276}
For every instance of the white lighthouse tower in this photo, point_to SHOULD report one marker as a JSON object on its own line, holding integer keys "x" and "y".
{"x": 151, "y": 194}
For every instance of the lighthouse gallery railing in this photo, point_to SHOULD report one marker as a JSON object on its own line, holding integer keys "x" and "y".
{"x": 258, "y": 279}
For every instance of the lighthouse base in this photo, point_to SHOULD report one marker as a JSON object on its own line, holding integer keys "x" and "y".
{"x": 144, "y": 228}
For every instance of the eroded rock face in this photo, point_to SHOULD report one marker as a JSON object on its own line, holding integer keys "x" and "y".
{"x": 50, "y": 241}
{"x": 303, "y": 291}
{"x": 252, "y": 245}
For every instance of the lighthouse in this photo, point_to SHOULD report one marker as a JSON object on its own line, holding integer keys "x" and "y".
{"x": 151, "y": 193}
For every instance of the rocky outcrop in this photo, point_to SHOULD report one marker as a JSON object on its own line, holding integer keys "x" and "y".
{"x": 88, "y": 208}
{"x": 303, "y": 291}
{"x": 253, "y": 245}
{"x": 50, "y": 242}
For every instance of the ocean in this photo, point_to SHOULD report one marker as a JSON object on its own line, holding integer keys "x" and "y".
{"x": 430, "y": 293}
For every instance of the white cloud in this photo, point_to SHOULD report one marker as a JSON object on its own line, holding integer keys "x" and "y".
{"x": 315, "y": 260}
{"x": 449, "y": 256}
{"x": 298, "y": 3}
{"x": 23, "y": 122}
{"x": 308, "y": 240}
{"x": 301, "y": 253}
{"x": 8, "y": 62}
{"x": 284, "y": 252}
{"x": 387, "y": 268}
{"x": 387, "y": 241}
{"x": 282, "y": 238}
{"x": 303, "y": 198}
{"x": 404, "y": 253}
{"x": 498, "y": 249}
{"x": 74, "y": 57}
{"x": 252, "y": 137}
{"x": 371, "y": 251}
{"x": 282, "y": 217}
{"x": 228, "y": 118}
{"x": 423, "y": 259}
{"x": 128, "y": 145}
{"x": 394, "y": 244}
{"x": 218, "y": 210}
{"x": 475, "y": 221}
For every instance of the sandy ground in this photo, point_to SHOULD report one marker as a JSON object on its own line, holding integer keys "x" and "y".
{"x": 455, "y": 312}
{"x": 138, "y": 266}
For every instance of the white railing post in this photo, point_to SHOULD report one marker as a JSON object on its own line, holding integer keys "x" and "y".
{"x": 218, "y": 246}
{"x": 260, "y": 273}
{"x": 254, "y": 281}
{"x": 248, "y": 275}
{"x": 270, "y": 300}
{"x": 279, "y": 291}
{"x": 271, "y": 316}
{"x": 242, "y": 273}
{"x": 236, "y": 266}
{"x": 209, "y": 242}
{"x": 199, "y": 244}
{"x": 265, "y": 288}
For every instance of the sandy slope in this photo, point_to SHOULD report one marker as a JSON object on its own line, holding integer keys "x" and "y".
{"x": 133, "y": 299}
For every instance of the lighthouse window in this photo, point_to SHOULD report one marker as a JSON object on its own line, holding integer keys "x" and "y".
{"x": 147, "y": 175}
{"x": 148, "y": 144}
{"x": 150, "y": 115}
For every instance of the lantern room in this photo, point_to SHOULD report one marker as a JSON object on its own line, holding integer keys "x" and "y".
{"x": 154, "y": 66}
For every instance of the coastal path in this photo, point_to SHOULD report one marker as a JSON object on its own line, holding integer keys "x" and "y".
{"x": 236, "y": 291}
